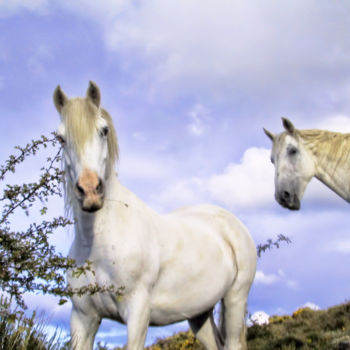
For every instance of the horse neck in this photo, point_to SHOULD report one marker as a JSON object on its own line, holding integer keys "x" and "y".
{"x": 85, "y": 223}
{"x": 333, "y": 168}
{"x": 118, "y": 199}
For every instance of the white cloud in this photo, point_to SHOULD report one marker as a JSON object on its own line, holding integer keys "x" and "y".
{"x": 258, "y": 317}
{"x": 261, "y": 317}
{"x": 48, "y": 305}
{"x": 339, "y": 123}
{"x": 198, "y": 116}
{"x": 336, "y": 122}
{"x": 340, "y": 246}
{"x": 224, "y": 49}
{"x": 36, "y": 62}
{"x": 311, "y": 306}
{"x": 112, "y": 333}
{"x": 181, "y": 193}
{"x": 267, "y": 279}
{"x": 10, "y": 7}
{"x": 318, "y": 192}
{"x": 231, "y": 45}
{"x": 144, "y": 166}
{"x": 248, "y": 183}
{"x": 140, "y": 136}
{"x": 292, "y": 284}
{"x": 244, "y": 184}
{"x": 56, "y": 332}
{"x": 103, "y": 11}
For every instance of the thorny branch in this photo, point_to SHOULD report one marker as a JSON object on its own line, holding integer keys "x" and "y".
{"x": 261, "y": 248}
{"x": 28, "y": 261}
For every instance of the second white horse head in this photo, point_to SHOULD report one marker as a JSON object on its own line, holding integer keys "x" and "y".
{"x": 300, "y": 155}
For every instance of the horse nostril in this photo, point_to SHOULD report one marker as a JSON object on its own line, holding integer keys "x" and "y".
{"x": 80, "y": 190}
{"x": 99, "y": 187}
{"x": 285, "y": 195}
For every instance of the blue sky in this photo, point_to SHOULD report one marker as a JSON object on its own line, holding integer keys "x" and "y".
{"x": 189, "y": 85}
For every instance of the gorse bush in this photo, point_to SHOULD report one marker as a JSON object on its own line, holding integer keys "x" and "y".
{"x": 180, "y": 341}
{"x": 305, "y": 329}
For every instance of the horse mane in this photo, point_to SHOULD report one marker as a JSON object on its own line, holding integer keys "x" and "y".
{"x": 112, "y": 139}
{"x": 80, "y": 117}
{"x": 326, "y": 144}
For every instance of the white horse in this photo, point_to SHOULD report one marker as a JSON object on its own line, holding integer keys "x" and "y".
{"x": 172, "y": 267}
{"x": 299, "y": 155}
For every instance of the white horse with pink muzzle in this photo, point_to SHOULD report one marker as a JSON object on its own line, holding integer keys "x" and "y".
{"x": 172, "y": 267}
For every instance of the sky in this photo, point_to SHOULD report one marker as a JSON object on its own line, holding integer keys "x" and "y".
{"x": 190, "y": 85}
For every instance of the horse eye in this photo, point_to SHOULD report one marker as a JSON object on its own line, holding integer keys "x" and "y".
{"x": 292, "y": 151}
{"x": 60, "y": 139}
{"x": 104, "y": 131}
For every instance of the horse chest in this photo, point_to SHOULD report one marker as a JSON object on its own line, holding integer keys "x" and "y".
{"x": 125, "y": 271}
{"x": 122, "y": 264}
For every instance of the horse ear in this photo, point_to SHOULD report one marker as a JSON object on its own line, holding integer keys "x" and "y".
{"x": 59, "y": 99}
{"x": 269, "y": 134}
{"x": 288, "y": 125}
{"x": 93, "y": 92}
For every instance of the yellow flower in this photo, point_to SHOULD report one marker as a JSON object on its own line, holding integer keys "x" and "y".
{"x": 300, "y": 311}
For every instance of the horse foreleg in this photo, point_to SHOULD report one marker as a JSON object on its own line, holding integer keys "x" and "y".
{"x": 138, "y": 319}
{"x": 83, "y": 330}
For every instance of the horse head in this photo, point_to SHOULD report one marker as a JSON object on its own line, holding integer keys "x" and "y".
{"x": 89, "y": 142}
{"x": 294, "y": 165}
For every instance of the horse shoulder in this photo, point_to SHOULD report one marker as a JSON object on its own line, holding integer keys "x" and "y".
{"x": 226, "y": 230}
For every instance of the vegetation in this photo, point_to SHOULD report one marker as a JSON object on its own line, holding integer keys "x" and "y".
{"x": 306, "y": 329}
{"x": 270, "y": 244}
{"x": 18, "y": 332}
{"x": 28, "y": 261}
